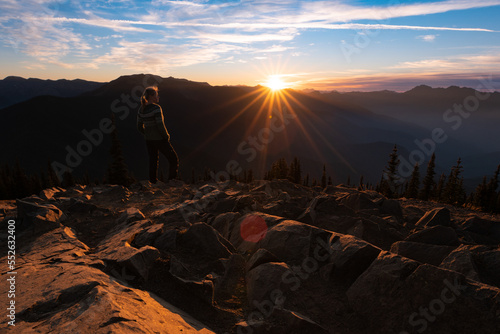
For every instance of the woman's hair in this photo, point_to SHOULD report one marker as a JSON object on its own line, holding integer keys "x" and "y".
{"x": 148, "y": 92}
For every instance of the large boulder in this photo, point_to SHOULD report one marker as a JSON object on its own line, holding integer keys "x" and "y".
{"x": 435, "y": 235}
{"x": 202, "y": 240}
{"x": 405, "y": 297}
{"x": 437, "y": 216}
{"x": 38, "y": 218}
{"x": 65, "y": 290}
{"x": 483, "y": 230}
{"x": 431, "y": 254}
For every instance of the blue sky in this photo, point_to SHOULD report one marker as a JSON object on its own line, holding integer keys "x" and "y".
{"x": 343, "y": 45}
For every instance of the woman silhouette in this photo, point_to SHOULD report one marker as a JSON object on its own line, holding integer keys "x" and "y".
{"x": 150, "y": 123}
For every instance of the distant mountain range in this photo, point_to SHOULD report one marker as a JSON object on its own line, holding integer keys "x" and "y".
{"x": 220, "y": 127}
{"x": 16, "y": 89}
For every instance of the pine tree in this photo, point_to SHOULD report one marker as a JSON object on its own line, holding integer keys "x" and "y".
{"x": 428, "y": 183}
{"x": 249, "y": 176}
{"x": 491, "y": 191}
{"x": 295, "y": 171}
{"x": 279, "y": 170}
{"x": 52, "y": 179}
{"x": 117, "y": 170}
{"x": 323, "y": 177}
{"x": 23, "y": 186}
{"x": 414, "y": 183}
{"x": 391, "y": 180}
{"x": 454, "y": 191}
{"x": 330, "y": 181}
{"x": 480, "y": 199}
{"x": 438, "y": 195}
{"x": 361, "y": 185}
{"x": 68, "y": 179}
{"x": 306, "y": 180}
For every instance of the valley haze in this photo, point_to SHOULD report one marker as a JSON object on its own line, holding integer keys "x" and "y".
{"x": 216, "y": 126}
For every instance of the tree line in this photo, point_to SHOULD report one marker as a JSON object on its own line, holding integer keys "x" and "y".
{"x": 448, "y": 189}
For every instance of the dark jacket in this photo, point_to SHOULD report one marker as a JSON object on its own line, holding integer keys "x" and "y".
{"x": 150, "y": 122}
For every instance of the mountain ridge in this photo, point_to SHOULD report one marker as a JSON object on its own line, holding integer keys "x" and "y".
{"x": 209, "y": 123}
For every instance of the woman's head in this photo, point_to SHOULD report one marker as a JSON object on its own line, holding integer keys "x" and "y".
{"x": 150, "y": 95}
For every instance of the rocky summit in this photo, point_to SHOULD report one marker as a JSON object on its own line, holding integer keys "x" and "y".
{"x": 264, "y": 257}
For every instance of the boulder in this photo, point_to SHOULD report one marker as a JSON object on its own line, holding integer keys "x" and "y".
{"x": 130, "y": 215}
{"x": 425, "y": 253}
{"x": 462, "y": 261}
{"x": 278, "y": 321}
{"x": 349, "y": 258}
{"x": 249, "y": 230}
{"x": 167, "y": 241}
{"x": 260, "y": 257}
{"x": 148, "y": 235}
{"x": 234, "y": 273}
{"x": 483, "y": 227}
{"x": 437, "y": 216}
{"x": 359, "y": 201}
{"x": 39, "y": 218}
{"x": 436, "y": 235}
{"x": 63, "y": 292}
{"x": 268, "y": 282}
{"x": 203, "y": 240}
{"x": 391, "y": 207}
{"x": 405, "y": 297}
{"x": 223, "y": 223}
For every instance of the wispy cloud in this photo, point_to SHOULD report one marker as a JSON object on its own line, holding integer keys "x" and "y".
{"x": 427, "y": 38}
{"x": 191, "y": 32}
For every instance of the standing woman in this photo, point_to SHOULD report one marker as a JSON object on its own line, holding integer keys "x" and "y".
{"x": 150, "y": 124}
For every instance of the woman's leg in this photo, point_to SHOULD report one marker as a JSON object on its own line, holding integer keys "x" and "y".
{"x": 153, "y": 160}
{"x": 168, "y": 151}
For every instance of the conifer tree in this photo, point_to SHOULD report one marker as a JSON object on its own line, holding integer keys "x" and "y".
{"x": 330, "y": 181}
{"x": 390, "y": 182}
{"x": 323, "y": 177}
{"x": 23, "y": 185}
{"x": 306, "y": 180}
{"x": 492, "y": 191}
{"x": 414, "y": 183}
{"x": 454, "y": 191}
{"x": 440, "y": 188}
{"x": 249, "y": 176}
{"x": 361, "y": 185}
{"x": 68, "y": 179}
{"x": 428, "y": 184}
{"x": 52, "y": 179}
{"x": 295, "y": 171}
{"x": 117, "y": 170}
{"x": 480, "y": 198}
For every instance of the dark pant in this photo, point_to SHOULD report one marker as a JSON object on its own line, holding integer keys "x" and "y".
{"x": 167, "y": 150}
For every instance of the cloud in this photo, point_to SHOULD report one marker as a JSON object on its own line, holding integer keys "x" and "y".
{"x": 161, "y": 57}
{"x": 427, "y": 38}
{"x": 194, "y": 31}
{"x": 489, "y": 61}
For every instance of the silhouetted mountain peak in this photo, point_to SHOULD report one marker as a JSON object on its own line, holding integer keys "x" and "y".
{"x": 421, "y": 89}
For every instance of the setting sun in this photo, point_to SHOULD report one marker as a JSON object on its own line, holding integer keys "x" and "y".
{"x": 275, "y": 83}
